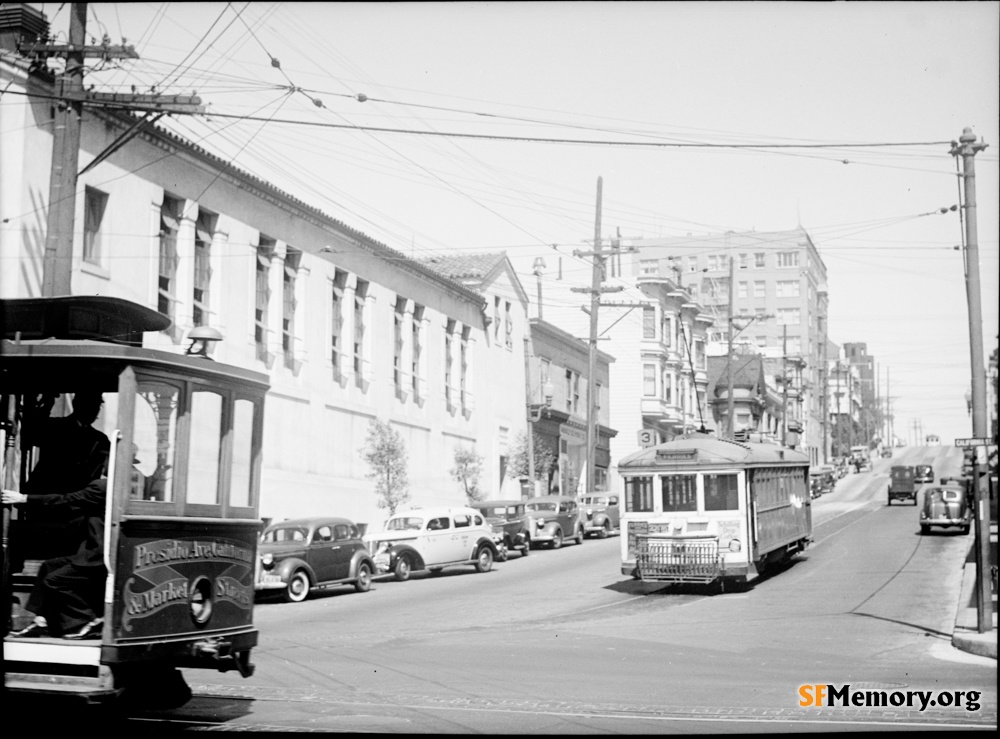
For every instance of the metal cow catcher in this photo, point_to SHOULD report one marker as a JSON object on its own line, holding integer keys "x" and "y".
{"x": 701, "y": 509}
{"x": 181, "y": 512}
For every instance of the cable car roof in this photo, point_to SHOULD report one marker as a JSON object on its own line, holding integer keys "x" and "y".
{"x": 701, "y": 450}
{"x": 113, "y": 320}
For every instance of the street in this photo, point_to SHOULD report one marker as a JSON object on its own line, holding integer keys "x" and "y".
{"x": 561, "y": 642}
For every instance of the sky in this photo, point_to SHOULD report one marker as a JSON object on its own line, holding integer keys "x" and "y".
{"x": 457, "y": 127}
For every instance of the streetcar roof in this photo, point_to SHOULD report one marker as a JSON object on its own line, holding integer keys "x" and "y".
{"x": 700, "y": 450}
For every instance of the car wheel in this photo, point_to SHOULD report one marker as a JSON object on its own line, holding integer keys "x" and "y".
{"x": 297, "y": 589}
{"x": 925, "y": 529}
{"x": 526, "y": 549}
{"x": 557, "y": 539}
{"x": 605, "y": 532}
{"x": 966, "y": 529}
{"x": 402, "y": 569}
{"x": 579, "y": 536}
{"x": 484, "y": 560}
{"x": 364, "y": 579}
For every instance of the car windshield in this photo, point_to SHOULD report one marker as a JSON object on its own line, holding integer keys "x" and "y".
{"x": 542, "y": 506}
{"x": 498, "y": 511}
{"x": 404, "y": 523}
{"x": 949, "y": 496}
{"x": 594, "y": 500}
{"x": 284, "y": 533}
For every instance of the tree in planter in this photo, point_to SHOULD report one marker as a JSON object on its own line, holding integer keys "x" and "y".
{"x": 468, "y": 467}
{"x": 517, "y": 462}
{"x": 385, "y": 454}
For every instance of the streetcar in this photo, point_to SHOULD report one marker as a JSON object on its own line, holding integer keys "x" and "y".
{"x": 181, "y": 523}
{"x": 700, "y": 509}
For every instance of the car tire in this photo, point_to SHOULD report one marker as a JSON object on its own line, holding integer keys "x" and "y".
{"x": 484, "y": 559}
{"x": 925, "y": 529}
{"x": 579, "y": 536}
{"x": 363, "y": 582}
{"x": 297, "y": 589}
{"x": 556, "y": 539}
{"x": 966, "y": 529}
{"x": 605, "y": 532}
{"x": 526, "y": 549}
{"x": 402, "y": 569}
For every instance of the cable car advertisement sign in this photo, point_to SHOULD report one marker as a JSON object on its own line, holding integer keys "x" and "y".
{"x": 192, "y": 583}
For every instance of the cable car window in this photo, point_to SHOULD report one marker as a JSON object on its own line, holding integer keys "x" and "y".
{"x": 639, "y": 494}
{"x": 155, "y": 437}
{"x": 206, "y": 441}
{"x": 678, "y": 493}
{"x": 239, "y": 490}
{"x": 721, "y": 493}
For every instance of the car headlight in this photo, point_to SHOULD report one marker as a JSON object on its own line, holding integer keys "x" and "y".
{"x": 539, "y": 522}
{"x": 590, "y": 511}
{"x": 267, "y": 560}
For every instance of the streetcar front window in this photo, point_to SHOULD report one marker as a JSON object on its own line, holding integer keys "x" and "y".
{"x": 721, "y": 493}
{"x": 639, "y": 494}
{"x": 239, "y": 490}
{"x": 678, "y": 494}
{"x": 206, "y": 443}
{"x": 155, "y": 437}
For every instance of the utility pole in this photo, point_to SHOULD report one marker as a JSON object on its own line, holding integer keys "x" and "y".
{"x": 967, "y": 148}
{"x": 840, "y": 421}
{"x": 530, "y": 443}
{"x": 595, "y": 291}
{"x": 730, "y": 409}
{"x": 57, "y": 261}
{"x": 825, "y": 385}
{"x": 784, "y": 383}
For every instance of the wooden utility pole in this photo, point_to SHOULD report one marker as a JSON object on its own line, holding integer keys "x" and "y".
{"x": 730, "y": 405}
{"x": 57, "y": 261}
{"x": 967, "y": 148}
{"x": 840, "y": 421}
{"x": 784, "y": 383}
{"x": 595, "y": 290}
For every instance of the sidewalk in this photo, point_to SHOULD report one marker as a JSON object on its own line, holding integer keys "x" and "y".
{"x": 966, "y": 635}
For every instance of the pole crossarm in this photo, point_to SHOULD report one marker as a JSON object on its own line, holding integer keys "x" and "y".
{"x": 597, "y": 291}
{"x": 168, "y": 103}
{"x": 103, "y": 51}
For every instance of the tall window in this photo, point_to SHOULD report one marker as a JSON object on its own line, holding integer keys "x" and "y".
{"x": 95, "y": 203}
{"x": 170, "y": 221}
{"x": 337, "y": 322}
{"x": 741, "y": 289}
{"x": 508, "y": 326}
{"x": 788, "y": 288}
{"x": 360, "y": 295}
{"x": 417, "y": 348}
{"x": 449, "y": 350}
{"x": 203, "y": 232}
{"x": 699, "y": 353}
{"x": 265, "y": 251}
{"x": 397, "y": 344}
{"x": 760, "y": 289}
{"x": 743, "y": 261}
{"x": 648, "y": 323}
{"x": 758, "y": 260}
{"x": 464, "y": 369}
{"x": 788, "y": 259}
{"x": 293, "y": 258}
{"x": 496, "y": 320}
{"x": 649, "y": 380}
{"x": 666, "y": 330}
{"x": 668, "y": 388}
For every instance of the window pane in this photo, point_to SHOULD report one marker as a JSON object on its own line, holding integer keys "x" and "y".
{"x": 639, "y": 494}
{"x": 155, "y": 438}
{"x": 721, "y": 493}
{"x": 239, "y": 487}
{"x": 678, "y": 493}
{"x": 206, "y": 441}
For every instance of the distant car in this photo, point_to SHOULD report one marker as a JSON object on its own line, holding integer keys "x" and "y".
{"x": 830, "y": 473}
{"x": 601, "y": 514}
{"x": 298, "y": 555}
{"x": 820, "y": 482}
{"x": 510, "y": 528}
{"x": 902, "y": 483}
{"x": 553, "y": 519}
{"x": 923, "y": 473}
{"x": 432, "y": 539}
{"x": 886, "y": 451}
{"x": 945, "y": 506}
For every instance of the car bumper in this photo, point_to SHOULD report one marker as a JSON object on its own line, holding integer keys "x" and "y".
{"x": 270, "y": 582}
{"x": 945, "y": 522}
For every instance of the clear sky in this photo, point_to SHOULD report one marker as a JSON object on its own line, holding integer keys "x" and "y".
{"x": 892, "y": 83}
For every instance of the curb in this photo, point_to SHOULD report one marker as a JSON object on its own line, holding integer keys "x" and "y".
{"x": 966, "y": 635}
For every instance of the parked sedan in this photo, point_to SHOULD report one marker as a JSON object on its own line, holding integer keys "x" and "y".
{"x": 510, "y": 529}
{"x": 924, "y": 473}
{"x": 432, "y": 539}
{"x": 297, "y": 555}
{"x": 944, "y": 506}
{"x": 601, "y": 514}
{"x": 553, "y": 519}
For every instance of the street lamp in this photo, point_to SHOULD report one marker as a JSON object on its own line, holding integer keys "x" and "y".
{"x": 202, "y": 336}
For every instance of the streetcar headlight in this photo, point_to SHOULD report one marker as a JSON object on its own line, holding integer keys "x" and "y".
{"x": 735, "y": 545}
{"x": 200, "y": 601}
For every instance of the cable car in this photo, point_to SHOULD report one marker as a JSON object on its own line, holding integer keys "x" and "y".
{"x": 181, "y": 521}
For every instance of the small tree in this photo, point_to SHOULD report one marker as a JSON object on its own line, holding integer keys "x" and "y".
{"x": 385, "y": 454}
{"x": 517, "y": 462}
{"x": 468, "y": 467}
